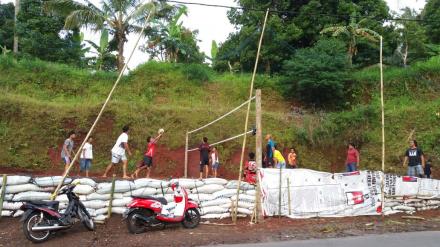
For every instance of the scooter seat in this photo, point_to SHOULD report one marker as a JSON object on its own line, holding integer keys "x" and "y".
{"x": 159, "y": 199}
{"x": 51, "y": 204}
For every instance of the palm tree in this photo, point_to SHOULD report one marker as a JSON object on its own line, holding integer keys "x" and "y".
{"x": 119, "y": 17}
{"x": 352, "y": 31}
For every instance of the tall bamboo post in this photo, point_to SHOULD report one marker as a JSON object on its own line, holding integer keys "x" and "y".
{"x": 185, "y": 173}
{"x": 251, "y": 91}
{"x": 258, "y": 155}
{"x": 383, "y": 125}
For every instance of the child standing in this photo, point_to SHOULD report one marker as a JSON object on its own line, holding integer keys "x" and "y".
{"x": 292, "y": 158}
{"x": 204, "y": 149}
{"x": 278, "y": 158}
{"x": 250, "y": 169}
{"x": 428, "y": 168}
{"x": 67, "y": 150}
{"x": 214, "y": 161}
{"x": 86, "y": 156}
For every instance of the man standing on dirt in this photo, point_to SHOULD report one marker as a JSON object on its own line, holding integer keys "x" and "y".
{"x": 204, "y": 149}
{"x": 118, "y": 153}
{"x": 269, "y": 151}
{"x": 147, "y": 163}
{"x": 416, "y": 160}
{"x": 66, "y": 151}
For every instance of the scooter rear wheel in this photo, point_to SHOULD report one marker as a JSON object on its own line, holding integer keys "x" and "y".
{"x": 192, "y": 218}
{"x": 33, "y": 219}
{"x": 135, "y": 225}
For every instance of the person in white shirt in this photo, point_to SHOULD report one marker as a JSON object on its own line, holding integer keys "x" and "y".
{"x": 118, "y": 153}
{"x": 86, "y": 156}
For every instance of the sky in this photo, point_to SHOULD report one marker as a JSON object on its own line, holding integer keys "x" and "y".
{"x": 213, "y": 24}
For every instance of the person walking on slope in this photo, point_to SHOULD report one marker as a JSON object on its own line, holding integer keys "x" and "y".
{"x": 118, "y": 153}
{"x": 148, "y": 156}
{"x": 204, "y": 149}
{"x": 416, "y": 160}
{"x": 67, "y": 150}
{"x": 353, "y": 158}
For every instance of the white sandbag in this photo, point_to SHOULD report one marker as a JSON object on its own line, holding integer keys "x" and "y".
{"x": 209, "y": 188}
{"x": 216, "y": 202}
{"x": 433, "y": 203}
{"x": 250, "y": 192}
{"x": 141, "y": 192}
{"x": 389, "y": 212}
{"x": 14, "y": 180}
{"x": 149, "y": 182}
{"x": 212, "y": 216}
{"x": 83, "y": 189}
{"x": 244, "y": 211}
{"x": 100, "y": 218}
{"x": 95, "y": 204}
{"x": 100, "y": 211}
{"x": 227, "y": 205}
{"x": 119, "y": 210}
{"x": 244, "y": 197}
{"x": 85, "y": 181}
{"x": 91, "y": 211}
{"x": 188, "y": 183}
{"x": 417, "y": 205}
{"x": 8, "y": 197}
{"x": 122, "y": 202}
{"x": 82, "y": 197}
{"x": 12, "y": 205}
{"x": 62, "y": 198}
{"x": 243, "y": 185}
{"x": 201, "y": 197}
{"x": 31, "y": 196}
{"x": 51, "y": 181}
{"x": 213, "y": 210}
{"x": 18, "y": 213}
{"x": 226, "y": 193}
{"x": 104, "y": 197}
{"x": 13, "y": 189}
{"x": 219, "y": 181}
{"x": 244, "y": 204}
{"x": 121, "y": 186}
{"x": 404, "y": 208}
{"x": 392, "y": 204}
{"x": 7, "y": 213}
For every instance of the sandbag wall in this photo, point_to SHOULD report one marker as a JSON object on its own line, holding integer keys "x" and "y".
{"x": 214, "y": 195}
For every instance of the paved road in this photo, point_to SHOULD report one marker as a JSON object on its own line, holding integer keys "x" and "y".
{"x": 407, "y": 239}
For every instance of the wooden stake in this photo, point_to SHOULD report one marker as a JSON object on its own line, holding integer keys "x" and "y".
{"x": 101, "y": 111}
{"x": 259, "y": 154}
{"x": 279, "y": 193}
{"x": 186, "y": 155}
{"x": 251, "y": 91}
{"x": 2, "y": 196}
{"x": 383, "y": 128}
{"x": 112, "y": 192}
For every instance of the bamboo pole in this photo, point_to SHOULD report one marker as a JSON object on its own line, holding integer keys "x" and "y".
{"x": 279, "y": 192}
{"x": 101, "y": 111}
{"x": 186, "y": 155}
{"x": 258, "y": 156}
{"x": 112, "y": 192}
{"x": 383, "y": 127}
{"x": 251, "y": 90}
{"x": 2, "y": 196}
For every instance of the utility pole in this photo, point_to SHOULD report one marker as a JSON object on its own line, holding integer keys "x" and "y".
{"x": 17, "y": 9}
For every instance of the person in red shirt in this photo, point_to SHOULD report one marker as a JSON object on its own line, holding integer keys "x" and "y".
{"x": 147, "y": 163}
{"x": 250, "y": 170}
{"x": 352, "y": 161}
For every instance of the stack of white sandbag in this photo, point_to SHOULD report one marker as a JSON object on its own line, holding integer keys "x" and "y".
{"x": 409, "y": 205}
{"x": 215, "y": 196}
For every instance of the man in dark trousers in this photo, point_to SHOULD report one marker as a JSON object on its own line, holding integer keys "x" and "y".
{"x": 204, "y": 149}
{"x": 416, "y": 160}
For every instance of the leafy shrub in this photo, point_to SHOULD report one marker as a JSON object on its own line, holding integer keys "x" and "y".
{"x": 196, "y": 72}
{"x": 317, "y": 75}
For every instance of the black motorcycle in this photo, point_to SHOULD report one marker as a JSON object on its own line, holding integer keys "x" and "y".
{"x": 41, "y": 218}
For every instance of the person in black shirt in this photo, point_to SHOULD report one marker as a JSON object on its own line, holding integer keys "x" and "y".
{"x": 416, "y": 160}
{"x": 428, "y": 167}
{"x": 204, "y": 149}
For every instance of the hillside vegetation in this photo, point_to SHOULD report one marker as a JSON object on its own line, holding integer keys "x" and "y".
{"x": 41, "y": 102}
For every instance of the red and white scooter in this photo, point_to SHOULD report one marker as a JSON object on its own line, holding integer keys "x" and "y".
{"x": 146, "y": 211}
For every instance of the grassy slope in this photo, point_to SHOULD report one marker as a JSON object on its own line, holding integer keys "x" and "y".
{"x": 41, "y": 102}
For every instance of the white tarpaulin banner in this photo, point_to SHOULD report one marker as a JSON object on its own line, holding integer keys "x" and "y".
{"x": 320, "y": 194}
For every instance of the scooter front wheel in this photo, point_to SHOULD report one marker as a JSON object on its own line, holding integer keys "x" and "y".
{"x": 32, "y": 220}
{"x": 134, "y": 224}
{"x": 192, "y": 218}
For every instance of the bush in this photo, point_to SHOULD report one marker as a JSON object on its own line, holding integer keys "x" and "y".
{"x": 317, "y": 75}
{"x": 196, "y": 72}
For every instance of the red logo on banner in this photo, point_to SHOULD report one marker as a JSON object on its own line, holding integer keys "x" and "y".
{"x": 355, "y": 197}
{"x": 409, "y": 179}
{"x": 351, "y": 173}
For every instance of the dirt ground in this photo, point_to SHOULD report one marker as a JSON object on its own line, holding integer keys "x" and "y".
{"x": 114, "y": 232}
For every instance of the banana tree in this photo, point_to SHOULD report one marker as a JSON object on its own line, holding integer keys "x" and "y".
{"x": 120, "y": 17}
{"x": 102, "y": 50}
{"x": 353, "y": 31}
